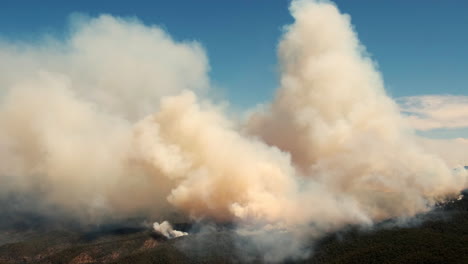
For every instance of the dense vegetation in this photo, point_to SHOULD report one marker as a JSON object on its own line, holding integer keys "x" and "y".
{"x": 442, "y": 237}
{"x": 437, "y": 237}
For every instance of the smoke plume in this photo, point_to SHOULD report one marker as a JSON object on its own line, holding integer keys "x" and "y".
{"x": 165, "y": 228}
{"x": 113, "y": 121}
{"x": 68, "y": 109}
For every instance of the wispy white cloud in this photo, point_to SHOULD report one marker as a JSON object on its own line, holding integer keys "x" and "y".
{"x": 430, "y": 112}
{"x": 442, "y": 121}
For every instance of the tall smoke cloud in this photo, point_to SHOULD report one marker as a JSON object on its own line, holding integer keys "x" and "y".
{"x": 114, "y": 121}
{"x": 68, "y": 109}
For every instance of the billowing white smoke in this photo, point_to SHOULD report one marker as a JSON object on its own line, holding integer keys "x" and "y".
{"x": 165, "y": 228}
{"x": 67, "y": 111}
{"x": 330, "y": 150}
{"x": 333, "y": 116}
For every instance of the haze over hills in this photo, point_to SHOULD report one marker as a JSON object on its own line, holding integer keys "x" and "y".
{"x": 436, "y": 237}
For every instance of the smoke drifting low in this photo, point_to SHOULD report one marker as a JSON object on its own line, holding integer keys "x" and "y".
{"x": 113, "y": 122}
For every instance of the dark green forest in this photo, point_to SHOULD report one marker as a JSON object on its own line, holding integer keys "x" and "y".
{"x": 440, "y": 236}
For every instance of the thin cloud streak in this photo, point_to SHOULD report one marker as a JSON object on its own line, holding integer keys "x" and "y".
{"x": 429, "y": 112}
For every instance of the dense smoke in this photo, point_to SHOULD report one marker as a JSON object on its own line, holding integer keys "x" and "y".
{"x": 333, "y": 116}
{"x": 109, "y": 123}
{"x": 68, "y": 109}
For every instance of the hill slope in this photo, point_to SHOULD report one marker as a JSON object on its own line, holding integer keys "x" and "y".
{"x": 440, "y": 237}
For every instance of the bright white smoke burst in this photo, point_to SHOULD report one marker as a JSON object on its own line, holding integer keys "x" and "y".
{"x": 165, "y": 228}
{"x": 114, "y": 121}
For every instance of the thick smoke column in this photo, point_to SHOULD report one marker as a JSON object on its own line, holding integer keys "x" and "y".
{"x": 333, "y": 116}
{"x": 115, "y": 110}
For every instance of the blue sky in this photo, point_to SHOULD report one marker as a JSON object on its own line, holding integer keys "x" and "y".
{"x": 420, "y": 46}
